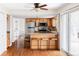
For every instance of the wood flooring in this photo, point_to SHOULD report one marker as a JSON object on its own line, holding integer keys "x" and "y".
{"x": 12, "y": 51}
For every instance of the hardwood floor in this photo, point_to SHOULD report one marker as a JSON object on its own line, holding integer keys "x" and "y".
{"x": 12, "y": 51}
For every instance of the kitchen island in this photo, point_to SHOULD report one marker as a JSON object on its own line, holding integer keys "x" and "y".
{"x": 43, "y": 41}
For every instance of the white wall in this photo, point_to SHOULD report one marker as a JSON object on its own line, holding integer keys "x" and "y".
{"x": 3, "y": 31}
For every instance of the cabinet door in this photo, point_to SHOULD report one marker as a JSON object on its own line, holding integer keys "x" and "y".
{"x": 45, "y": 20}
{"x": 43, "y": 44}
{"x": 54, "y": 22}
{"x": 41, "y": 20}
{"x": 49, "y": 22}
{"x": 34, "y": 42}
{"x": 52, "y": 42}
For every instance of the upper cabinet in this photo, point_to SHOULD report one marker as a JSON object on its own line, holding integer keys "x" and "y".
{"x": 54, "y": 22}
{"x": 50, "y": 21}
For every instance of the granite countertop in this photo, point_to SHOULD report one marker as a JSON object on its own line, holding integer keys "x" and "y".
{"x": 42, "y": 32}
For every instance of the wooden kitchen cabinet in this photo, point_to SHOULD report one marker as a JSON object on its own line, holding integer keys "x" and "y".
{"x": 34, "y": 42}
{"x": 43, "y": 41}
{"x": 45, "y": 20}
{"x": 39, "y": 44}
{"x": 49, "y": 23}
{"x": 52, "y": 44}
{"x": 41, "y": 20}
{"x": 43, "y": 44}
{"x": 54, "y": 22}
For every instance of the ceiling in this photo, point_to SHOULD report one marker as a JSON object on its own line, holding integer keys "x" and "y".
{"x": 25, "y": 9}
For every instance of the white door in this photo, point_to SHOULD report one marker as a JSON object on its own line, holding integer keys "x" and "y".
{"x": 74, "y": 33}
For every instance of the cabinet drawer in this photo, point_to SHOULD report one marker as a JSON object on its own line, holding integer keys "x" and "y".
{"x": 52, "y": 42}
{"x": 34, "y": 42}
{"x": 43, "y": 47}
{"x": 34, "y": 47}
{"x": 44, "y": 42}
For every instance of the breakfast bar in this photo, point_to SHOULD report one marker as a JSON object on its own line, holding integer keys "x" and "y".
{"x": 43, "y": 41}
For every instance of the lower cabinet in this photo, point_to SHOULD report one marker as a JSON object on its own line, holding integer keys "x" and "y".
{"x": 34, "y": 44}
{"x": 52, "y": 44}
{"x": 43, "y": 44}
